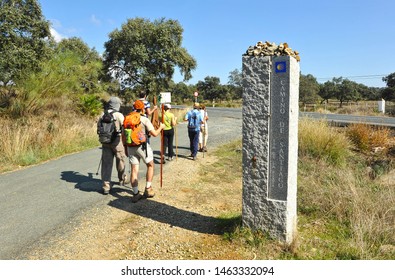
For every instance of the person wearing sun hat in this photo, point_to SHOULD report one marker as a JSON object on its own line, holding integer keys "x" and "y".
{"x": 115, "y": 149}
{"x": 143, "y": 152}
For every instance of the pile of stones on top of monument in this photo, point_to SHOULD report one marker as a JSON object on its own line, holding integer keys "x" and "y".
{"x": 272, "y": 49}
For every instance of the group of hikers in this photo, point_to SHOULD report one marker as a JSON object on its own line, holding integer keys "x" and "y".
{"x": 129, "y": 136}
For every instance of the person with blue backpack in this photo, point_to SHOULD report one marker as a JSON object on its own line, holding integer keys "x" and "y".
{"x": 195, "y": 119}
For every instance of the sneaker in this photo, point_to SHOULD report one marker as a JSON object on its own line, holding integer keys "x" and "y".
{"x": 106, "y": 189}
{"x": 136, "y": 197}
{"x": 170, "y": 158}
{"x": 149, "y": 192}
{"x": 194, "y": 158}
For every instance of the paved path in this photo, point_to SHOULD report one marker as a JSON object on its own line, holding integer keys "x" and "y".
{"x": 37, "y": 200}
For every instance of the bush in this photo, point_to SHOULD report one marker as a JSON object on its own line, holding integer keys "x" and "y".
{"x": 366, "y": 137}
{"x": 318, "y": 140}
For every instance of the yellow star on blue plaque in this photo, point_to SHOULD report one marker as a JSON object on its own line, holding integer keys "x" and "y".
{"x": 280, "y": 67}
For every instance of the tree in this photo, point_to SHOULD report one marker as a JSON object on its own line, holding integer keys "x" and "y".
{"x": 368, "y": 93}
{"x": 24, "y": 38}
{"x": 235, "y": 78}
{"x": 211, "y": 88}
{"x": 388, "y": 93}
{"x": 89, "y": 62}
{"x": 235, "y": 84}
{"x": 146, "y": 53}
{"x": 347, "y": 91}
{"x": 308, "y": 89}
{"x": 180, "y": 92}
{"x": 390, "y": 80}
{"x": 327, "y": 90}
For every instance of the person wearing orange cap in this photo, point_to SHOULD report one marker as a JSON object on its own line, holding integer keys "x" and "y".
{"x": 143, "y": 152}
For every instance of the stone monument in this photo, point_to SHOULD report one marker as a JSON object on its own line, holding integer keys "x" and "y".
{"x": 270, "y": 139}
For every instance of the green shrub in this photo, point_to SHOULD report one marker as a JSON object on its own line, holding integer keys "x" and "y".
{"x": 318, "y": 140}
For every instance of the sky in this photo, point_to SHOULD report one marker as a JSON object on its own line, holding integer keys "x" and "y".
{"x": 353, "y": 39}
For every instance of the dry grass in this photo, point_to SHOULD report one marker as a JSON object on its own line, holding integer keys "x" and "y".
{"x": 318, "y": 139}
{"x": 344, "y": 212}
{"x": 366, "y": 137}
{"x": 29, "y": 141}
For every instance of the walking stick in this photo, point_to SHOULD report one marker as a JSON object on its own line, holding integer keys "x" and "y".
{"x": 175, "y": 131}
{"x": 204, "y": 134}
{"x": 97, "y": 172}
{"x": 162, "y": 156}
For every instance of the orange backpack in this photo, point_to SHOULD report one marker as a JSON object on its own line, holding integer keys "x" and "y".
{"x": 134, "y": 133}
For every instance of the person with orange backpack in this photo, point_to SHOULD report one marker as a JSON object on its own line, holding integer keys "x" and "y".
{"x": 137, "y": 127}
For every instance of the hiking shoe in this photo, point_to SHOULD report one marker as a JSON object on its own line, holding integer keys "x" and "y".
{"x": 149, "y": 192}
{"x": 136, "y": 197}
{"x": 195, "y": 158}
{"x": 106, "y": 188}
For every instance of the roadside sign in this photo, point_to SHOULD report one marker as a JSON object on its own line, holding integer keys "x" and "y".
{"x": 165, "y": 97}
{"x": 196, "y": 94}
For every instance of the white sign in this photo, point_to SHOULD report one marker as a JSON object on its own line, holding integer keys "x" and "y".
{"x": 165, "y": 97}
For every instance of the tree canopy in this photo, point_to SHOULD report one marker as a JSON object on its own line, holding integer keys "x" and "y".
{"x": 388, "y": 93}
{"x": 24, "y": 38}
{"x": 145, "y": 54}
{"x": 308, "y": 89}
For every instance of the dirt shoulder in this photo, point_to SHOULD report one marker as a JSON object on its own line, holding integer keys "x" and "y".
{"x": 180, "y": 222}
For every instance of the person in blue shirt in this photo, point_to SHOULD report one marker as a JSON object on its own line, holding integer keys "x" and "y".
{"x": 195, "y": 119}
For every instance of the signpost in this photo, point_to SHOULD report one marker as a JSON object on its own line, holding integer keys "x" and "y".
{"x": 196, "y": 95}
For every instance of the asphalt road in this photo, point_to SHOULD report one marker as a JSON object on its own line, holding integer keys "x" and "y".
{"x": 37, "y": 201}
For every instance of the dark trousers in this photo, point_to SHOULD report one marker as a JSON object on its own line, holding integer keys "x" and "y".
{"x": 193, "y": 141}
{"x": 168, "y": 142}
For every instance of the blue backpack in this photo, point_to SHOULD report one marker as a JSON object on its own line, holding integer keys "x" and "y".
{"x": 192, "y": 125}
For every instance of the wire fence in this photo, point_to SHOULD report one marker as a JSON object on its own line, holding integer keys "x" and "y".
{"x": 361, "y": 107}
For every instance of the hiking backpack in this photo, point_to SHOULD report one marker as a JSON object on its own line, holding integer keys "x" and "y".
{"x": 192, "y": 123}
{"x": 134, "y": 132}
{"x": 106, "y": 128}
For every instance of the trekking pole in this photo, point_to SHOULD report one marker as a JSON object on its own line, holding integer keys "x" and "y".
{"x": 175, "y": 131}
{"x": 162, "y": 149}
{"x": 204, "y": 134}
{"x": 97, "y": 172}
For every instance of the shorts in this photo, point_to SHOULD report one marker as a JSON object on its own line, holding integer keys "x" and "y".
{"x": 143, "y": 152}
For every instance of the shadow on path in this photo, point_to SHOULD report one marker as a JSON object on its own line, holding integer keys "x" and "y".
{"x": 147, "y": 208}
{"x": 173, "y": 216}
